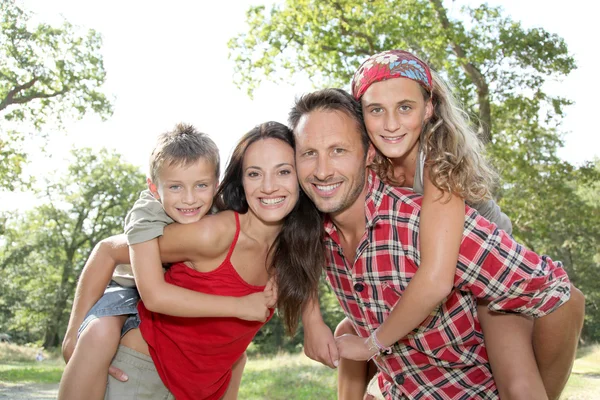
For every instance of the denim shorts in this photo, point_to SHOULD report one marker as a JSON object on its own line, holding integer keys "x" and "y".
{"x": 116, "y": 300}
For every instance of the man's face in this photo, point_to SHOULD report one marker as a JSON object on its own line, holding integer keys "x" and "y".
{"x": 330, "y": 160}
{"x": 186, "y": 192}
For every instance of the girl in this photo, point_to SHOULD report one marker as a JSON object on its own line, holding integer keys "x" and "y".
{"x": 424, "y": 141}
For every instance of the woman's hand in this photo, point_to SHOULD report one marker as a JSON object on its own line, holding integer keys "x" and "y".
{"x": 255, "y": 306}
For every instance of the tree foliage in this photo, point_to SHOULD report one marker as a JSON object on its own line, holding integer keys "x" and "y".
{"x": 47, "y": 73}
{"x": 498, "y": 69}
{"x": 45, "y": 249}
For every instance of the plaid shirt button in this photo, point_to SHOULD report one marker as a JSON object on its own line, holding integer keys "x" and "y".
{"x": 359, "y": 287}
{"x": 399, "y": 379}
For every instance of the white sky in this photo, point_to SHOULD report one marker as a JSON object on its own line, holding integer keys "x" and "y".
{"x": 167, "y": 62}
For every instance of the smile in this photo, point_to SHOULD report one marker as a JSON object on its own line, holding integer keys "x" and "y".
{"x": 272, "y": 201}
{"x": 392, "y": 138}
{"x": 188, "y": 210}
{"x": 328, "y": 188}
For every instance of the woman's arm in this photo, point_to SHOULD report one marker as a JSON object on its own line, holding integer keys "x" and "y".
{"x": 94, "y": 278}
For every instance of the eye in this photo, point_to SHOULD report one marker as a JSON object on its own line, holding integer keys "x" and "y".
{"x": 339, "y": 150}
{"x": 376, "y": 110}
{"x": 202, "y": 185}
{"x": 405, "y": 108}
{"x": 252, "y": 174}
{"x": 285, "y": 172}
{"x": 309, "y": 153}
{"x": 174, "y": 187}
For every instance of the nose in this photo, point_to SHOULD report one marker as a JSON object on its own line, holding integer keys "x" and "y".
{"x": 189, "y": 197}
{"x": 268, "y": 184}
{"x": 392, "y": 122}
{"x": 323, "y": 169}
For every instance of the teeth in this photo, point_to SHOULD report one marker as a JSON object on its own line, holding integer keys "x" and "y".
{"x": 328, "y": 187}
{"x": 275, "y": 200}
{"x": 392, "y": 138}
{"x": 188, "y": 210}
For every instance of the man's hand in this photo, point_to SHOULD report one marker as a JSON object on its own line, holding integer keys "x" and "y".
{"x": 117, "y": 374}
{"x": 354, "y": 347}
{"x": 68, "y": 346}
{"x": 319, "y": 344}
{"x": 254, "y": 307}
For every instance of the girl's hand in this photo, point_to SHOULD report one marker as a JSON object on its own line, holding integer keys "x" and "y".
{"x": 354, "y": 347}
{"x": 270, "y": 293}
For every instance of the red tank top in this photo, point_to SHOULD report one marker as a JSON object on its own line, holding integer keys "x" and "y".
{"x": 194, "y": 356}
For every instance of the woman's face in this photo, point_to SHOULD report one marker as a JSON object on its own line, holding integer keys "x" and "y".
{"x": 269, "y": 179}
{"x": 394, "y": 112}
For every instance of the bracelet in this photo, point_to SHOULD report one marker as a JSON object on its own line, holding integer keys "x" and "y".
{"x": 381, "y": 348}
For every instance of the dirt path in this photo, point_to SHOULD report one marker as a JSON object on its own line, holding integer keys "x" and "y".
{"x": 28, "y": 391}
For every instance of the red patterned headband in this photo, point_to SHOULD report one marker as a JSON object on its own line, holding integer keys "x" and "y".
{"x": 388, "y": 65}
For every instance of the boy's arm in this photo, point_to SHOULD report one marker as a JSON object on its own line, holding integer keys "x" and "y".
{"x": 94, "y": 278}
{"x": 162, "y": 297}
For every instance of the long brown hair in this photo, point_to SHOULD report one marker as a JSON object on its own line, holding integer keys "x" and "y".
{"x": 298, "y": 255}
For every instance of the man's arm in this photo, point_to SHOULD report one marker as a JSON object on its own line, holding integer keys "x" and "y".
{"x": 319, "y": 344}
{"x": 94, "y": 278}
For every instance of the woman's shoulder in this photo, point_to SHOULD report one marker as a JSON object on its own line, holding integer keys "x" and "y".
{"x": 216, "y": 230}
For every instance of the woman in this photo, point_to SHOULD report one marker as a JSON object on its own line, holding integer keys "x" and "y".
{"x": 266, "y": 228}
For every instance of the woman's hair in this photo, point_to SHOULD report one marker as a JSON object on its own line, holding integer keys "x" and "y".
{"x": 453, "y": 152}
{"x": 298, "y": 255}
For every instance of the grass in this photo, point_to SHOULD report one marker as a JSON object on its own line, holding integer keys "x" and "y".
{"x": 285, "y": 376}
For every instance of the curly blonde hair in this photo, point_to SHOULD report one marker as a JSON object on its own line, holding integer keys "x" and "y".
{"x": 454, "y": 154}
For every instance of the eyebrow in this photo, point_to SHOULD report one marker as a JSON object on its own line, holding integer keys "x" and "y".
{"x": 259, "y": 168}
{"x": 405, "y": 101}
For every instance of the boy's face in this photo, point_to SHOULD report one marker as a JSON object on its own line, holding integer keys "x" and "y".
{"x": 186, "y": 192}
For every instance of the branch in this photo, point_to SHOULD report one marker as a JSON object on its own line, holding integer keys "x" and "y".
{"x": 11, "y": 93}
{"x": 25, "y": 99}
{"x": 472, "y": 71}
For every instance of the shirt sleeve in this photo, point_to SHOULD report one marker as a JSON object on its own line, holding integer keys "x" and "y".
{"x": 512, "y": 278}
{"x": 146, "y": 220}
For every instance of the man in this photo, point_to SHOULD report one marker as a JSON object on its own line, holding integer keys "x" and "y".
{"x": 372, "y": 248}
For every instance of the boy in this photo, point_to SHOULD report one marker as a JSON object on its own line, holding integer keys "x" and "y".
{"x": 184, "y": 169}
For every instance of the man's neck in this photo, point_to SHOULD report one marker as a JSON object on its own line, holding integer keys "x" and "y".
{"x": 351, "y": 223}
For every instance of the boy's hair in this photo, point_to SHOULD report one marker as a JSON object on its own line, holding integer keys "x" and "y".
{"x": 183, "y": 146}
{"x": 329, "y": 100}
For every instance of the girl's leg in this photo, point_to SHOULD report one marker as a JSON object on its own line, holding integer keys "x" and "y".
{"x": 352, "y": 375}
{"x": 555, "y": 339}
{"x": 86, "y": 373}
{"x": 236, "y": 378}
{"x": 508, "y": 340}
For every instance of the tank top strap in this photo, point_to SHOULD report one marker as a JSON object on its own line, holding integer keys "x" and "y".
{"x": 235, "y": 238}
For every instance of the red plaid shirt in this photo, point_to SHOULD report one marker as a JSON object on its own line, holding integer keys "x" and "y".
{"x": 444, "y": 358}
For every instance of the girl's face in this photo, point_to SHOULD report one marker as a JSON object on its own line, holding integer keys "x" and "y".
{"x": 394, "y": 112}
{"x": 269, "y": 179}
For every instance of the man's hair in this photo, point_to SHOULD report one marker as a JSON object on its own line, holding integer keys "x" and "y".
{"x": 183, "y": 146}
{"x": 329, "y": 100}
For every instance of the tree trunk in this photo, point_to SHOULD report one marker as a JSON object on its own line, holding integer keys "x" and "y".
{"x": 51, "y": 336}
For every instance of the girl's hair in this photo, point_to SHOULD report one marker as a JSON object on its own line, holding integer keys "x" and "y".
{"x": 298, "y": 255}
{"x": 453, "y": 151}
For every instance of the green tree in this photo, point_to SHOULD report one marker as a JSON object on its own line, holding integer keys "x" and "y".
{"x": 45, "y": 249}
{"x": 46, "y": 72}
{"x": 498, "y": 69}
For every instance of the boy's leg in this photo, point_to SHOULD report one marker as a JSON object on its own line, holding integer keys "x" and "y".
{"x": 86, "y": 373}
{"x": 352, "y": 375}
{"x": 508, "y": 340}
{"x": 555, "y": 339}
{"x": 236, "y": 378}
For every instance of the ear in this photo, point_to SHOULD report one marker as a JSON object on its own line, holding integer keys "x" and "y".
{"x": 428, "y": 109}
{"x": 371, "y": 153}
{"x": 153, "y": 189}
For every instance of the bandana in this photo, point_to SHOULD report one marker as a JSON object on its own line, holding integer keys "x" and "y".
{"x": 388, "y": 65}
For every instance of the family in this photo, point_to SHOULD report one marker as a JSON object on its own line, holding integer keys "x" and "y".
{"x": 388, "y": 192}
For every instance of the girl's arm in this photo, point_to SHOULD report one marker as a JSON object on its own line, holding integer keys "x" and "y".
{"x": 194, "y": 243}
{"x": 440, "y": 234}
{"x": 94, "y": 278}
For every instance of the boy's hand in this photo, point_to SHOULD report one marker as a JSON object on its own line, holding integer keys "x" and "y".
{"x": 253, "y": 307}
{"x": 319, "y": 344}
{"x": 270, "y": 293}
{"x": 354, "y": 347}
